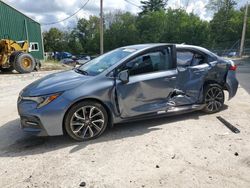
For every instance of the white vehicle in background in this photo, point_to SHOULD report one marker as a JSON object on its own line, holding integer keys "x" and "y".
{"x": 83, "y": 60}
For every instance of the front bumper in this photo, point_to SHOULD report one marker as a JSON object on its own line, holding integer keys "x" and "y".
{"x": 33, "y": 125}
{"x": 44, "y": 121}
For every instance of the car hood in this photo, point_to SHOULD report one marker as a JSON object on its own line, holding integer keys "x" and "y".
{"x": 55, "y": 83}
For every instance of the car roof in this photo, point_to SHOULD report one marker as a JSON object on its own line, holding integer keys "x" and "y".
{"x": 151, "y": 45}
{"x": 144, "y": 46}
{"x": 193, "y": 47}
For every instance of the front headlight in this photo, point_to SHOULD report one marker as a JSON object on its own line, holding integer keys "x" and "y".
{"x": 42, "y": 100}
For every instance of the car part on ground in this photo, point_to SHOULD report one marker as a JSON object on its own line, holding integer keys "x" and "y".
{"x": 228, "y": 125}
{"x": 129, "y": 83}
{"x": 14, "y": 56}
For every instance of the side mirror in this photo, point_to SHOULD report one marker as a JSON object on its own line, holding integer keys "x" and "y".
{"x": 124, "y": 76}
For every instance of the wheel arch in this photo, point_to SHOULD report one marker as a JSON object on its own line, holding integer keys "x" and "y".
{"x": 107, "y": 108}
{"x": 211, "y": 82}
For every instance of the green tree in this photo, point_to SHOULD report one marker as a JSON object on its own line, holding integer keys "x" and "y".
{"x": 226, "y": 25}
{"x": 151, "y": 26}
{"x": 74, "y": 45}
{"x": 121, "y": 30}
{"x": 182, "y": 27}
{"x": 153, "y": 5}
{"x": 216, "y": 5}
{"x": 54, "y": 40}
{"x": 88, "y": 34}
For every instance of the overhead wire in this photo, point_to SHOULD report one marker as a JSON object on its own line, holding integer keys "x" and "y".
{"x": 56, "y": 22}
{"x": 132, "y": 3}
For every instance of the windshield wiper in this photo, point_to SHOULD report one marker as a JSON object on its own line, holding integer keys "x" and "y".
{"x": 81, "y": 71}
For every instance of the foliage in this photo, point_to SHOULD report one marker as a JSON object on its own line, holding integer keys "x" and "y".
{"x": 121, "y": 31}
{"x": 152, "y": 6}
{"x": 54, "y": 40}
{"x": 153, "y": 26}
{"x": 216, "y": 5}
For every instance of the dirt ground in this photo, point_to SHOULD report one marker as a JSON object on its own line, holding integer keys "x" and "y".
{"x": 191, "y": 150}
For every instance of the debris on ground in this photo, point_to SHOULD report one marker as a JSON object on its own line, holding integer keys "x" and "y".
{"x": 173, "y": 156}
{"x": 228, "y": 125}
{"x": 83, "y": 184}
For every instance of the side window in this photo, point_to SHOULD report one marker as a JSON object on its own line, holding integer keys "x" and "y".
{"x": 198, "y": 59}
{"x": 184, "y": 58}
{"x": 188, "y": 58}
{"x": 34, "y": 46}
{"x": 150, "y": 62}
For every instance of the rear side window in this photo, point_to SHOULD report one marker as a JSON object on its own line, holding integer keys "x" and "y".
{"x": 190, "y": 58}
{"x": 184, "y": 58}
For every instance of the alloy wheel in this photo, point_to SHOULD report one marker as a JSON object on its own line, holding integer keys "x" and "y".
{"x": 87, "y": 122}
{"x": 214, "y": 99}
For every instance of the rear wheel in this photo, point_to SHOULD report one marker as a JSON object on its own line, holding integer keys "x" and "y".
{"x": 38, "y": 65}
{"x": 24, "y": 63}
{"x": 213, "y": 98}
{"x": 86, "y": 120}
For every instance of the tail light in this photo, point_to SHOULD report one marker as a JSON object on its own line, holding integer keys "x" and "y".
{"x": 233, "y": 67}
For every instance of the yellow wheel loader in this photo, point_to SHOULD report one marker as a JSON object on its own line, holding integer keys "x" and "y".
{"x": 14, "y": 56}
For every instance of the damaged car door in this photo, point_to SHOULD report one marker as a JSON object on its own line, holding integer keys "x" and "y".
{"x": 193, "y": 68}
{"x": 151, "y": 78}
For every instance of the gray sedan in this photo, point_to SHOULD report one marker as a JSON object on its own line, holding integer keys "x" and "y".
{"x": 127, "y": 84}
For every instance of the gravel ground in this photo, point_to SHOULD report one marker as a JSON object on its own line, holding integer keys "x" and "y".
{"x": 191, "y": 150}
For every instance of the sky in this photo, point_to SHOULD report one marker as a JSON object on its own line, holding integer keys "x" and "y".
{"x": 48, "y": 11}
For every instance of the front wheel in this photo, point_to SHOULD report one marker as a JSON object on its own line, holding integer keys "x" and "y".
{"x": 86, "y": 120}
{"x": 24, "y": 63}
{"x": 213, "y": 98}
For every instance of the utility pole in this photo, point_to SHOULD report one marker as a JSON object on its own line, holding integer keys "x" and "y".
{"x": 101, "y": 26}
{"x": 243, "y": 36}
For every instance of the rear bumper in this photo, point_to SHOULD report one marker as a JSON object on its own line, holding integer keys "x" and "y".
{"x": 231, "y": 84}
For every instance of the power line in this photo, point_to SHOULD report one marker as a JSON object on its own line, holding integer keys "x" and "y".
{"x": 52, "y": 23}
{"x": 132, "y": 3}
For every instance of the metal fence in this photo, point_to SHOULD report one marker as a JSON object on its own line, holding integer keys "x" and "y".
{"x": 233, "y": 49}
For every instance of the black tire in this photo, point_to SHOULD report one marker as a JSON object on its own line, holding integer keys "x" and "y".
{"x": 9, "y": 69}
{"x": 38, "y": 65}
{"x": 22, "y": 58}
{"x": 13, "y": 57}
{"x": 213, "y": 98}
{"x": 82, "y": 132}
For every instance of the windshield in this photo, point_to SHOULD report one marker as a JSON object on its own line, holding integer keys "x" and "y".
{"x": 103, "y": 62}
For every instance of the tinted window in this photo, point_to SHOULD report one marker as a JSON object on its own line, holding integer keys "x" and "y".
{"x": 150, "y": 62}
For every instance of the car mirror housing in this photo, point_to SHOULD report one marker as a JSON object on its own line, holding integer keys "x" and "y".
{"x": 124, "y": 76}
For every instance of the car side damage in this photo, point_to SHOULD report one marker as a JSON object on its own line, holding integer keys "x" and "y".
{"x": 192, "y": 79}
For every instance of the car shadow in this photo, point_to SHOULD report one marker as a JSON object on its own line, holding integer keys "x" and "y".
{"x": 25, "y": 144}
{"x": 12, "y": 72}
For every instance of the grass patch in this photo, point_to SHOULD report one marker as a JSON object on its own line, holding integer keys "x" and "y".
{"x": 54, "y": 65}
